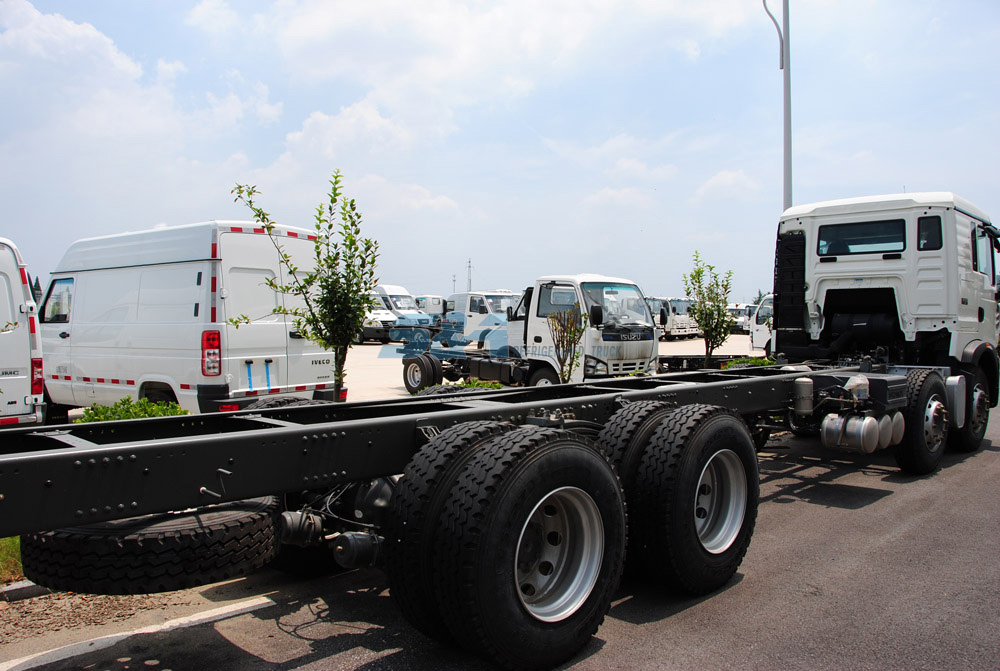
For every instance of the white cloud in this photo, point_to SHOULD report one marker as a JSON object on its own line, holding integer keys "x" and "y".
{"x": 728, "y": 184}
{"x": 166, "y": 73}
{"x": 213, "y": 16}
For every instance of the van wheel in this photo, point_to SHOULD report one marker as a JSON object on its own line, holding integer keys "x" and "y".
{"x": 158, "y": 395}
{"x": 543, "y": 377}
{"x": 155, "y": 553}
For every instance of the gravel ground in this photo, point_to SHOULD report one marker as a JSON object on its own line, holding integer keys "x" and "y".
{"x": 60, "y": 611}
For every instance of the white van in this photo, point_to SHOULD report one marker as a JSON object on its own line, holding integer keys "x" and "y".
{"x": 21, "y": 378}
{"x": 144, "y": 315}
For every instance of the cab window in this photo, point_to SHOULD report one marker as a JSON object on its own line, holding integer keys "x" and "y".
{"x": 556, "y": 298}
{"x": 59, "y": 302}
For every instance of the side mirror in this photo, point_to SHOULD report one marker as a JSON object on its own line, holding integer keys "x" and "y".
{"x": 510, "y": 313}
{"x": 483, "y": 310}
{"x": 674, "y": 310}
{"x": 663, "y": 316}
{"x": 596, "y": 315}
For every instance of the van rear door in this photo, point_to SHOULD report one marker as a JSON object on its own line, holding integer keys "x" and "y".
{"x": 309, "y": 365}
{"x": 253, "y": 354}
{"x": 16, "y": 334}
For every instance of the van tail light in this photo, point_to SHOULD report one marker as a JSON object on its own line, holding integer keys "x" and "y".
{"x": 37, "y": 378}
{"x": 343, "y": 394}
{"x": 211, "y": 353}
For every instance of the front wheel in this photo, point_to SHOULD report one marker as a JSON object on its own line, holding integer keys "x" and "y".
{"x": 532, "y": 548}
{"x": 543, "y": 377}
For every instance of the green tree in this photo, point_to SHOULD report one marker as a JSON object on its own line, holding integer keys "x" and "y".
{"x": 759, "y": 297}
{"x": 334, "y": 296}
{"x": 566, "y": 328}
{"x": 709, "y": 293}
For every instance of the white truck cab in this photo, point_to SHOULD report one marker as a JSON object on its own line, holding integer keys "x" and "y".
{"x": 906, "y": 279}
{"x": 619, "y": 339}
{"x": 21, "y": 379}
{"x": 472, "y": 311}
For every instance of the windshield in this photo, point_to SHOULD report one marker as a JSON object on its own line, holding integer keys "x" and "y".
{"x": 679, "y": 307}
{"x": 500, "y": 302}
{"x": 403, "y": 302}
{"x": 622, "y": 303}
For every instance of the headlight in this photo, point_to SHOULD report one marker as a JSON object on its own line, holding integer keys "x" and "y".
{"x": 594, "y": 367}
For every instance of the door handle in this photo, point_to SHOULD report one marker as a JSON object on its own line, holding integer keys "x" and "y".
{"x": 296, "y": 335}
{"x": 64, "y": 334}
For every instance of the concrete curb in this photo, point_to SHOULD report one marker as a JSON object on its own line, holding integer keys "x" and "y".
{"x": 23, "y": 589}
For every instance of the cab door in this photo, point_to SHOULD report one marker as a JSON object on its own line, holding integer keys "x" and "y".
{"x": 551, "y": 297}
{"x": 56, "y": 327}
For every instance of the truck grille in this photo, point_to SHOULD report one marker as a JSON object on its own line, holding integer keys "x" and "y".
{"x": 627, "y": 367}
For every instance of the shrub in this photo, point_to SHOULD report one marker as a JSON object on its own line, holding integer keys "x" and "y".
{"x": 127, "y": 409}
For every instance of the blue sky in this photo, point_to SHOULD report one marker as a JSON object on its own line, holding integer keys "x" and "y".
{"x": 532, "y": 137}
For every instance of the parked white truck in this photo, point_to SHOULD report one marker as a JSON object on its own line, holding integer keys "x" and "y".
{"x": 144, "y": 315}
{"x": 619, "y": 339}
{"x": 21, "y": 378}
{"x": 906, "y": 279}
{"x": 678, "y": 324}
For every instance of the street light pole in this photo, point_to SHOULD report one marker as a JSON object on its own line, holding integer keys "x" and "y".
{"x": 785, "y": 64}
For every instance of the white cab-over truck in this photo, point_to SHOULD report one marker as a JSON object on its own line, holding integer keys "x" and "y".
{"x": 908, "y": 280}
{"x": 619, "y": 338}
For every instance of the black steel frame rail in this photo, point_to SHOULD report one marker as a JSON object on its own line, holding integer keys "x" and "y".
{"x": 76, "y": 474}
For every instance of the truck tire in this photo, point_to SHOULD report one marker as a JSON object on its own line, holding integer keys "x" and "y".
{"x": 626, "y": 433}
{"x": 926, "y": 418}
{"x": 697, "y": 493}
{"x": 155, "y": 553}
{"x": 442, "y": 390}
{"x": 282, "y": 402}
{"x": 544, "y": 376}
{"x": 416, "y": 374}
{"x": 437, "y": 370}
{"x": 414, "y": 520}
{"x": 532, "y": 545}
{"x": 977, "y": 414}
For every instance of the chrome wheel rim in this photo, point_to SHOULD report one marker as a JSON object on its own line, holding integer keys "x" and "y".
{"x": 559, "y": 554}
{"x": 720, "y": 501}
{"x": 935, "y": 423}
{"x": 413, "y": 376}
{"x": 980, "y": 409}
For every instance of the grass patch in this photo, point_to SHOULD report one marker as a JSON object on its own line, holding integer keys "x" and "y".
{"x": 10, "y": 560}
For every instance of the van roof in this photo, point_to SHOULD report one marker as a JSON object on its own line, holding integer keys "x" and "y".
{"x": 168, "y": 244}
{"x": 894, "y": 201}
